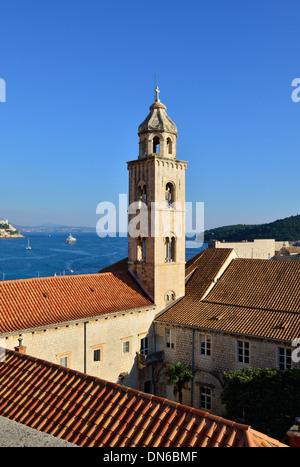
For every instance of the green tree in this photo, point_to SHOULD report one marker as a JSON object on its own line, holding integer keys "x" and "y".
{"x": 178, "y": 375}
{"x": 266, "y": 399}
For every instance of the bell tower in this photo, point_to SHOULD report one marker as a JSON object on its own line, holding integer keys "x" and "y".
{"x": 156, "y": 216}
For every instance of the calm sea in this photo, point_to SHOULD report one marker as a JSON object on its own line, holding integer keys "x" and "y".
{"x": 50, "y": 255}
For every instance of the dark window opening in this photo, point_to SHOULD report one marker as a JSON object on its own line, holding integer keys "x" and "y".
{"x": 156, "y": 145}
{"x": 169, "y": 144}
{"x": 169, "y": 195}
{"x": 170, "y": 249}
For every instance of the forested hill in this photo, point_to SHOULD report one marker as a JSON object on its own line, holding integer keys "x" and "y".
{"x": 283, "y": 229}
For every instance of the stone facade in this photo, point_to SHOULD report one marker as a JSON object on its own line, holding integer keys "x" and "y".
{"x": 258, "y": 249}
{"x": 208, "y": 369}
{"x": 118, "y": 337}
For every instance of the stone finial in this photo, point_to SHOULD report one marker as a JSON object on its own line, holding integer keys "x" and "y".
{"x": 157, "y": 94}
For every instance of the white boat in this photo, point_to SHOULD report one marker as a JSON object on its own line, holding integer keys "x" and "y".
{"x": 28, "y": 246}
{"x": 71, "y": 239}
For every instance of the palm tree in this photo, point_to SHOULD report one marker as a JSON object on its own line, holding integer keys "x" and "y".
{"x": 179, "y": 374}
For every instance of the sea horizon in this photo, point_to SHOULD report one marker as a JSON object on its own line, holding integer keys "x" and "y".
{"x": 50, "y": 255}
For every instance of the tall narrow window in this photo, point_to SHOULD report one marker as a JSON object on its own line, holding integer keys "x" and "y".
{"x": 284, "y": 358}
{"x": 205, "y": 398}
{"x": 204, "y": 345}
{"x": 169, "y": 145}
{"x": 141, "y": 250}
{"x": 63, "y": 361}
{"x": 142, "y": 193}
{"x": 145, "y": 346}
{"x": 97, "y": 355}
{"x": 169, "y": 195}
{"x": 170, "y": 249}
{"x": 126, "y": 347}
{"x": 156, "y": 145}
{"x": 169, "y": 343}
{"x": 243, "y": 352}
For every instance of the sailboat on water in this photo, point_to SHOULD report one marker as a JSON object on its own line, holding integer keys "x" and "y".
{"x": 28, "y": 246}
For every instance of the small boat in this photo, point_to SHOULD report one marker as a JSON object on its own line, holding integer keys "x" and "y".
{"x": 71, "y": 239}
{"x": 28, "y": 246}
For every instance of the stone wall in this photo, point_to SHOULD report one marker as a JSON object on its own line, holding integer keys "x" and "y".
{"x": 209, "y": 369}
{"x": 78, "y": 340}
{"x": 258, "y": 249}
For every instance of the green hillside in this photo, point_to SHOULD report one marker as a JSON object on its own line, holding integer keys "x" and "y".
{"x": 283, "y": 229}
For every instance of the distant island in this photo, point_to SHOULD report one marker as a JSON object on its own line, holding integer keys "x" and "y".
{"x": 287, "y": 229}
{"x": 51, "y": 228}
{"x": 8, "y": 231}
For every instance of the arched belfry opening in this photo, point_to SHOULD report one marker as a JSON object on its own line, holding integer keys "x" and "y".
{"x": 169, "y": 194}
{"x": 141, "y": 192}
{"x": 156, "y": 145}
{"x": 170, "y": 249}
{"x": 141, "y": 251}
{"x": 169, "y": 145}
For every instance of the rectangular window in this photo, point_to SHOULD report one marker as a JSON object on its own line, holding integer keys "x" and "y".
{"x": 243, "y": 352}
{"x": 63, "y": 361}
{"x": 126, "y": 347}
{"x": 205, "y": 398}
{"x": 145, "y": 346}
{"x": 284, "y": 358}
{"x": 97, "y": 355}
{"x": 204, "y": 345}
{"x": 169, "y": 342}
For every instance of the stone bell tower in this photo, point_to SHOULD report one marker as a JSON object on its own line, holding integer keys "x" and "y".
{"x": 156, "y": 216}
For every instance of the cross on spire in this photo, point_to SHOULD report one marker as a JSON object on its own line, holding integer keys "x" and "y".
{"x": 157, "y": 93}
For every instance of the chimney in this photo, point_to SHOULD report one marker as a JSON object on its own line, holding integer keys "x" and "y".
{"x": 21, "y": 348}
{"x": 294, "y": 434}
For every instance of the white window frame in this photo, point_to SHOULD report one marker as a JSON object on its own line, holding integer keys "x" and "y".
{"x": 243, "y": 352}
{"x": 204, "y": 345}
{"x": 144, "y": 345}
{"x": 205, "y": 398}
{"x": 284, "y": 361}
{"x": 98, "y": 349}
{"x": 64, "y": 357}
{"x": 169, "y": 341}
{"x": 126, "y": 347}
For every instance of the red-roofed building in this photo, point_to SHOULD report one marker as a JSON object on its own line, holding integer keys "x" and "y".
{"x": 91, "y": 412}
{"x": 249, "y": 318}
{"x": 94, "y": 323}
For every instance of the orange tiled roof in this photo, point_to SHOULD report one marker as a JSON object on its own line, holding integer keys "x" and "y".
{"x": 91, "y": 412}
{"x": 253, "y": 297}
{"x": 30, "y": 303}
{"x": 203, "y": 270}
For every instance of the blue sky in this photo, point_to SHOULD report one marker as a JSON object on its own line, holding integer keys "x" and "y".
{"x": 80, "y": 79}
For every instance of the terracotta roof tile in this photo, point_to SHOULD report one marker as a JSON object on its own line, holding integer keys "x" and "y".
{"x": 23, "y": 304}
{"x": 121, "y": 417}
{"x": 253, "y": 297}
